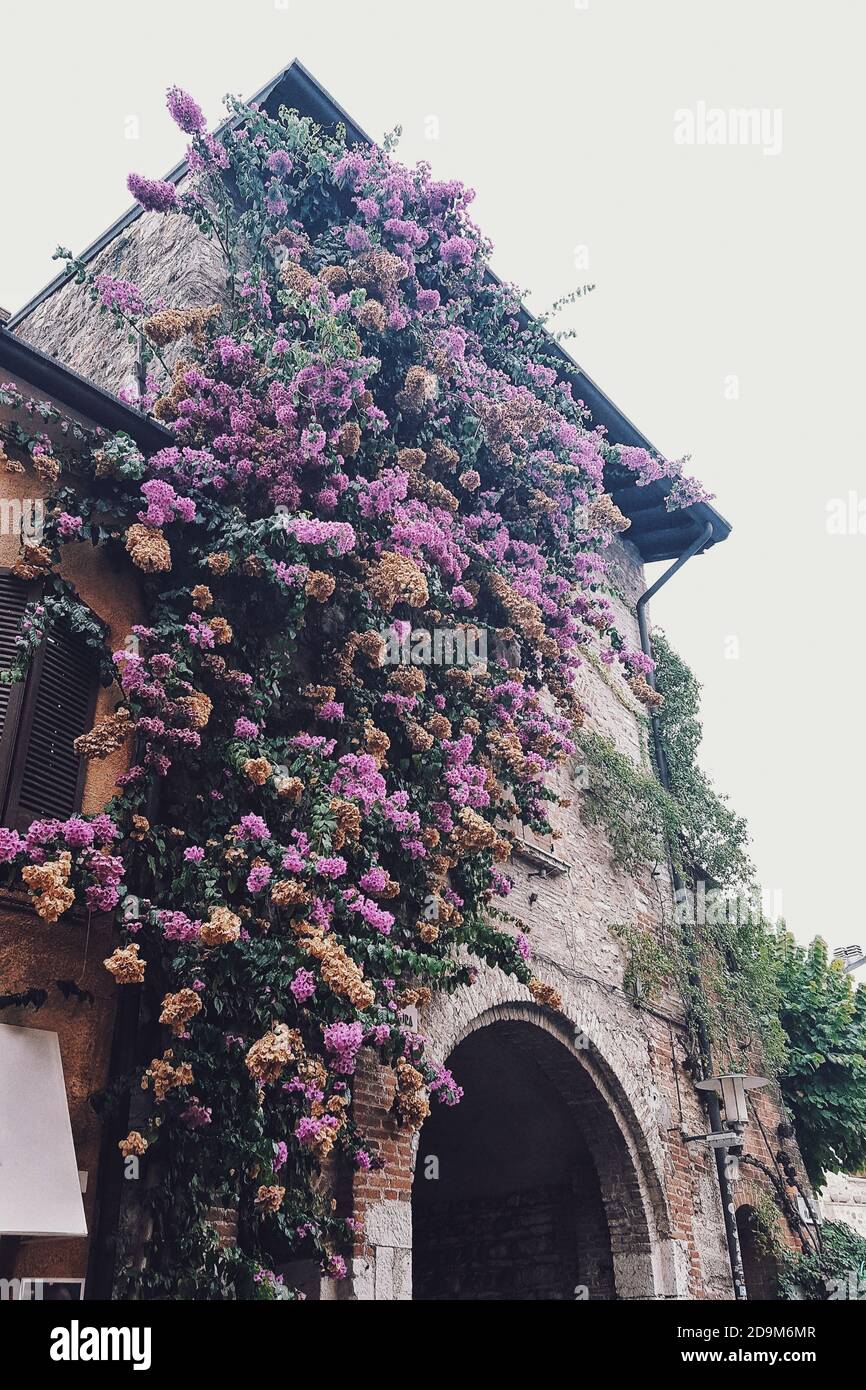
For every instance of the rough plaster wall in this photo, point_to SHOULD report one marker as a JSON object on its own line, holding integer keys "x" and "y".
{"x": 166, "y": 257}
{"x": 34, "y": 954}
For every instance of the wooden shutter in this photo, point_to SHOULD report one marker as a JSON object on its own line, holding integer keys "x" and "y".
{"x": 62, "y": 708}
{"x": 42, "y": 776}
{"x": 14, "y": 594}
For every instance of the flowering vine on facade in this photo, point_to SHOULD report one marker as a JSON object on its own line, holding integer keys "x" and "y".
{"x": 369, "y": 441}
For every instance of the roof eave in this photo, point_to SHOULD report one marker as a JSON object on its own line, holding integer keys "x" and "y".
{"x": 78, "y": 394}
{"x": 658, "y": 533}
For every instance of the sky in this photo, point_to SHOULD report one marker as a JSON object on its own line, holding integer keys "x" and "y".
{"x": 603, "y": 141}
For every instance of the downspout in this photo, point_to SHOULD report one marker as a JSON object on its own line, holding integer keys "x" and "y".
{"x": 713, "y": 1108}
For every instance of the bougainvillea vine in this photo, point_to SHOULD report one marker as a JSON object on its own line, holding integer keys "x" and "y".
{"x": 376, "y": 471}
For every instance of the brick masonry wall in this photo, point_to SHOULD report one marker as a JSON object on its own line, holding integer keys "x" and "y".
{"x": 519, "y": 1246}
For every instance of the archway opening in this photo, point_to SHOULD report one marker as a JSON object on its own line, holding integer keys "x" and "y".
{"x": 759, "y": 1267}
{"x": 525, "y": 1191}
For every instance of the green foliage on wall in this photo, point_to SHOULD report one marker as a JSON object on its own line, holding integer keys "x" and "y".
{"x": 824, "y": 1018}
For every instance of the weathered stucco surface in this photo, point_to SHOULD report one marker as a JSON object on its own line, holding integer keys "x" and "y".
{"x": 36, "y": 955}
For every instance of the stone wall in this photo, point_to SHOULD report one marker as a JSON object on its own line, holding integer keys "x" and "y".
{"x": 166, "y": 257}
{"x": 843, "y": 1198}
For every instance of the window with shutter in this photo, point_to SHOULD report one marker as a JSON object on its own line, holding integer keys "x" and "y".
{"x": 40, "y": 773}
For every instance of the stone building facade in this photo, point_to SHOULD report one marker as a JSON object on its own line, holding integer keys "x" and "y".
{"x": 566, "y": 1172}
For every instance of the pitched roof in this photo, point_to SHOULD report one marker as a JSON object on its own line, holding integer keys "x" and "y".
{"x": 657, "y": 533}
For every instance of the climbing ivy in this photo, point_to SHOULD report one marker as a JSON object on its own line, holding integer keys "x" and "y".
{"x": 835, "y": 1268}
{"x": 713, "y": 838}
{"x": 718, "y": 948}
{"x": 639, "y": 817}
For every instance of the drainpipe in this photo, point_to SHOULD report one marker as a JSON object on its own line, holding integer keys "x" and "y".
{"x": 646, "y": 644}
{"x": 713, "y": 1109}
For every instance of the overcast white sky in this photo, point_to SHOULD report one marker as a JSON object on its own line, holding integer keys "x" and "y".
{"x": 712, "y": 262}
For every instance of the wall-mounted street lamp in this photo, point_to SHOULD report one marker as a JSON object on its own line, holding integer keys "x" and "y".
{"x": 731, "y": 1090}
{"x": 851, "y": 956}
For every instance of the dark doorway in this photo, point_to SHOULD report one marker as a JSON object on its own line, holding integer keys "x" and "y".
{"x": 759, "y": 1268}
{"x": 506, "y": 1200}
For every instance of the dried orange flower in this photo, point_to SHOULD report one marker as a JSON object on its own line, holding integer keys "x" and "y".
{"x": 47, "y": 468}
{"x": 219, "y": 562}
{"x": 411, "y": 459}
{"x": 108, "y": 734}
{"x": 148, "y": 549}
{"x": 289, "y": 788}
{"x": 33, "y": 563}
{"x": 335, "y": 277}
{"x": 178, "y": 1009}
{"x": 125, "y": 965}
{"x": 165, "y": 1075}
{"x": 339, "y": 972}
{"x": 267, "y": 1059}
{"x": 641, "y": 687}
{"x": 258, "y": 770}
{"x": 348, "y": 818}
{"x": 202, "y": 597}
{"x": 420, "y": 387}
{"x": 418, "y": 738}
{"x": 170, "y": 324}
{"x": 319, "y": 586}
{"x": 270, "y": 1198}
{"x": 375, "y": 742}
{"x": 545, "y": 994}
{"x": 371, "y": 316}
{"x": 289, "y": 892}
{"x": 48, "y": 884}
{"x": 395, "y": 578}
{"x": 410, "y": 1101}
{"x": 133, "y": 1145}
{"x": 378, "y": 272}
{"x": 349, "y": 438}
{"x": 199, "y": 708}
{"x": 443, "y": 456}
{"x": 221, "y": 927}
{"x": 604, "y": 513}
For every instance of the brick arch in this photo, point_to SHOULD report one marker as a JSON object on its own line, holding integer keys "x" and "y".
{"x": 613, "y": 1096}
{"x": 630, "y": 1176}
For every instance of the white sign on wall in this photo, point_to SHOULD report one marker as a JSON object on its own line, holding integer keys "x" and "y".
{"x": 40, "y": 1191}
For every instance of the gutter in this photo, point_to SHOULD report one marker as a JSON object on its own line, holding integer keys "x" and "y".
{"x": 703, "y": 538}
{"x": 712, "y": 1101}
{"x": 35, "y": 368}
